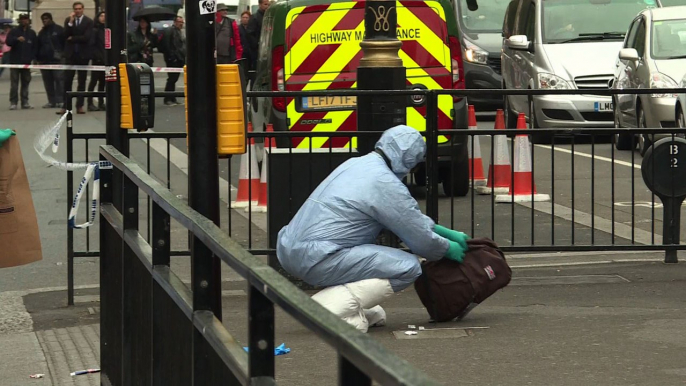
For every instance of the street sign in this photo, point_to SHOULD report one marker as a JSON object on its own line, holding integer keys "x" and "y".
{"x": 664, "y": 168}
{"x": 664, "y": 173}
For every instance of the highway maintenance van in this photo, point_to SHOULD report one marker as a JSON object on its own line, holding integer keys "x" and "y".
{"x": 309, "y": 45}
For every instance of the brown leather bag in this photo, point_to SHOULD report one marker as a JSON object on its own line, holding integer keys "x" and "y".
{"x": 449, "y": 290}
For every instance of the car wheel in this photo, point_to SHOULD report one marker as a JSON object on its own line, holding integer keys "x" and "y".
{"x": 644, "y": 141}
{"x": 457, "y": 184}
{"x": 680, "y": 118}
{"x": 623, "y": 141}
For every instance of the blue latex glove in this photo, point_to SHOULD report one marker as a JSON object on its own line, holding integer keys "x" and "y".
{"x": 455, "y": 252}
{"x": 281, "y": 350}
{"x": 458, "y": 237}
{"x": 5, "y": 134}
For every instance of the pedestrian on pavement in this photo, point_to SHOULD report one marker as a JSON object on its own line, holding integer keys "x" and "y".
{"x": 24, "y": 43}
{"x": 174, "y": 43}
{"x": 331, "y": 240}
{"x": 51, "y": 51}
{"x": 229, "y": 47}
{"x": 79, "y": 31}
{"x": 255, "y": 25}
{"x": 98, "y": 56}
{"x": 4, "y": 48}
{"x": 248, "y": 54}
{"x": 141, "y": 43}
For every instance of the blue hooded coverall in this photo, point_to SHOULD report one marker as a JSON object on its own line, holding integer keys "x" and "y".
{"x": 330, "y": 241}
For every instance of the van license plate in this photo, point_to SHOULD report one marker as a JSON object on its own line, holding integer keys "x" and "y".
{"x": 603, "y": 106}
{"x": 327, "y": 102}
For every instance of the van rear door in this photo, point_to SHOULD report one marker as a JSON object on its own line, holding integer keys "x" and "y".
{"x": 323, "y": 52}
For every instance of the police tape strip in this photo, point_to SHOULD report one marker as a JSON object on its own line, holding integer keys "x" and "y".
{"x": 50, "y": 137}
{"x": 79, "y": 68}
{"x": 92, "y": 171}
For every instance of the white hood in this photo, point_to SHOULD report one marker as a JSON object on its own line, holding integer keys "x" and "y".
{"x": 570, "y": 60}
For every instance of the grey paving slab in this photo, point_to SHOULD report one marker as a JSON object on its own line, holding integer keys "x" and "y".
{"x": 72, "y": 349}
{"x": 22, "y": 357}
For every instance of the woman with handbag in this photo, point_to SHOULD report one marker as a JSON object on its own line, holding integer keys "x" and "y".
{"x": 50, "y": 47}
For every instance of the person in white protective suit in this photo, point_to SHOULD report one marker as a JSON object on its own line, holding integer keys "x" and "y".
{"x": 330, "y": 241}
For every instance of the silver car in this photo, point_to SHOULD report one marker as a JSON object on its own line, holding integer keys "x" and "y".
{"x": 654, "y": 56}
{"x": 564, "y": 44}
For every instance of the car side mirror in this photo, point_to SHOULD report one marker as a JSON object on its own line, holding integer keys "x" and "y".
{"x": 520, "y": 43}
{"x": 629, "y": 54}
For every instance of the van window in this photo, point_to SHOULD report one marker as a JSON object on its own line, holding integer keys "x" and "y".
{"x": 508, "y": 23}
{"x": 531, "y": 23}
{"x": 631, "y": 35}
{"x": 579, "y": 20}
{"x": 640, "y": 45}
{"x": 488, "y": 18}
{"x": 522, "y": 15}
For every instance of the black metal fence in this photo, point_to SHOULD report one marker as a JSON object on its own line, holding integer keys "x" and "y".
{"x": 167, "y": 339}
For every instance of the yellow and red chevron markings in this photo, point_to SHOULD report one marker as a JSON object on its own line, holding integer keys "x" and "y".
{"x": 323, "y": 52}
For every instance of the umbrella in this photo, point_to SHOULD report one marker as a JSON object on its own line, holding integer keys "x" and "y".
{"x": 155, "y": 13}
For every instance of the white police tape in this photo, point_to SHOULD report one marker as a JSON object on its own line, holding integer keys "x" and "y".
{"x": 78, "y": 68}
{"x": 92, "y": 171}
{"x": 50, "y": 136}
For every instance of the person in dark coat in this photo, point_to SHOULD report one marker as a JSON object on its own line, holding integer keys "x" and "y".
{"x": 50, "y": 51}
{"x": 255, "y": 25}
{"x": 98, "y": 56}
{"x": 141, "y": 43}
{"x": 249, "y": 55}
{"x": 174, "y": 44}
{"x": 78, "y": 29}
{"x": 229, "y": 47}
{"x": 23, "y": 41}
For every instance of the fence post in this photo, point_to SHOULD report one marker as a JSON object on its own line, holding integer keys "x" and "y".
{"x": 349, "y": 375}
{"x": 432, "y": 155}
{"x": 260, "y": 335}
{"x": 70, "y": 196}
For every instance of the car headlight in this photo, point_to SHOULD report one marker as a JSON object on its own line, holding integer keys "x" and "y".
{"x": 660, "y": 80}
{"x": 474, "y": 53}
{"x": 550, "y": 81}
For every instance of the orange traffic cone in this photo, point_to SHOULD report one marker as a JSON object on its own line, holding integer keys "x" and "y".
{"x": 269, "y": 143}
{"x": 248, "y": 178}
{"x": 499, "y": 173}
{"x": 476, "y": 166}
{"x": 522, "y": 188}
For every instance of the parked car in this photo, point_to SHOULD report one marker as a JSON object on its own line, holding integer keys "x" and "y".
{"x": 563, "y": 44}
{"x": 482, "y": 43}
{"x": 654, "y": 56}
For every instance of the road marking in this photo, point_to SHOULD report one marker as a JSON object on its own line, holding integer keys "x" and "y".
{"x": 180, "y": 160}
{"x": 576, "y": 254}
{"x": 602, "y": 224}
{"x": 597, "y": 157}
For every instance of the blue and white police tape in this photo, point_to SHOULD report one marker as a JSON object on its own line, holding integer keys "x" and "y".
{"x": 50, "y": 136}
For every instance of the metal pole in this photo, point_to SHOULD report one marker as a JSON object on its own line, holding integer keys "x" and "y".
{"x": 203, "y": 176}
{"x": 380, "y": 69}
{"x": 111, "y": 284}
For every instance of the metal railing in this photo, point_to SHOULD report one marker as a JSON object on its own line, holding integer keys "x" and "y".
{"x": 167, "y": 338}
{"x": 598, "y": 200}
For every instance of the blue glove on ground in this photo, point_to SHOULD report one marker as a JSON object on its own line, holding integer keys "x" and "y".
{"x": 5, "y": 134}
{"x": 455, "y": 252}
{"x": 458, "y": 237}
